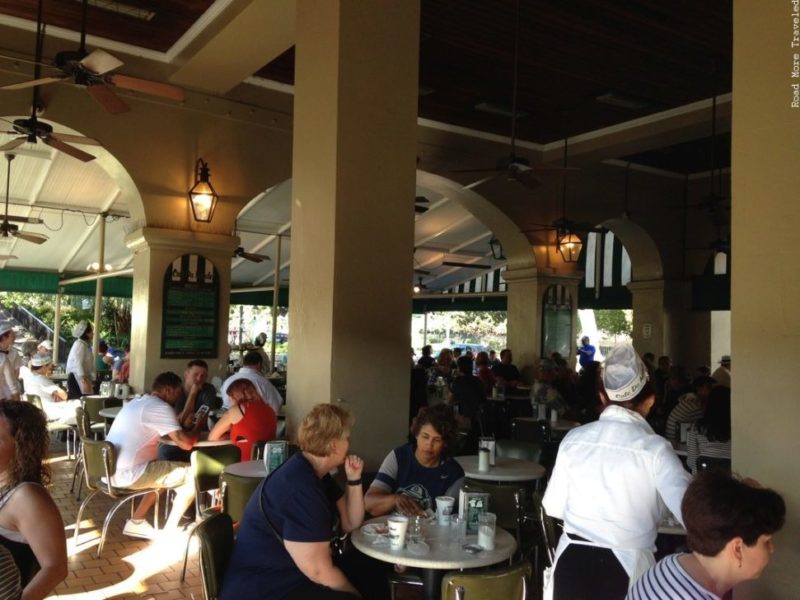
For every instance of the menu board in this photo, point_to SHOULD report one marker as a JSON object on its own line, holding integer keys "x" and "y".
{"x": 191, "y": 308}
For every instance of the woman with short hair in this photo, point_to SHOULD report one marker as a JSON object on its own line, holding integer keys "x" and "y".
{"x": 729, "y": 528}
{"x": 412, "y": 475}
{"x": 31, "y": 529}
{"x": 282, "y": 551}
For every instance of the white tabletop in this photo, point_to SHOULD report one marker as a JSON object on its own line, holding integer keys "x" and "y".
{"x": 201, "y": 443}
{"x": 505, "y": 469}
{"x": 669, "y": 525}
{"x": 110, "y": 413}
{"x": 560, "y": 425}
{"x": 248, "y": 468}
{"x": 444, "y": 552}
{"x": 680, "y": 448}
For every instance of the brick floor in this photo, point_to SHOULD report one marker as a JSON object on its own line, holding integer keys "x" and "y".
{"x": 128, "y": 568}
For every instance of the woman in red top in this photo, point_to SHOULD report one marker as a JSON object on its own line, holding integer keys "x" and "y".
{"x": 484, "y": 373}
{"x": 249, "y": 419}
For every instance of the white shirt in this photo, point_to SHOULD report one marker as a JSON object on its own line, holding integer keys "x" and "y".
{"x": 266, "y": 390}
{"x": 80, "y": 361}
{"x": 135, "y": 433}
{"x": 8, "y": 379}
{"x": 39, "y": 385}
{"x": 611, "y": 481}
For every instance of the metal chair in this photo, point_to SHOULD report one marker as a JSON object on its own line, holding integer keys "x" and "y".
{"x": 506, "y": 501}
{"x": 523, "y": 450}
{"x": 508, "y": 583}
{"x": 525, "y": 430}
{"x": 56, "y": 427}
{"x": 705, "y": 463}
{"x": 99, "y": 464}
{"x": 216, "y": 546}
{"x": 236, "y": 492}
{"x": 84, "y": 427}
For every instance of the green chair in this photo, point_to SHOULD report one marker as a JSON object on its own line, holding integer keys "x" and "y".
{"x": 508, "y": 583}
{"x": 530, "y": 451}
{"x": 84, "y": 426}
{"x": 236, "y": 492}
{"x": 216, "y": 546}
{"x": 93, "y": 405}
{"x": 506, "y": 501}
{"x": 525, "y": 430}
{"x": 207, "y": 466}
{"x": 99, "y": 465}
{"x": 56, "y": 427}
{"x": 257, "y": 450}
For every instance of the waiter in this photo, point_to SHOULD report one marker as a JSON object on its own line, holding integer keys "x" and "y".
{"x": 610, "y": 483}
{"x": 9, "y": 387}
{"x": 80, "y": 362}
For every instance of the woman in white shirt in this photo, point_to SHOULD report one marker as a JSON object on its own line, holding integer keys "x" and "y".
{"x": 610, "y": 483}
{"x": 80, "y": 362}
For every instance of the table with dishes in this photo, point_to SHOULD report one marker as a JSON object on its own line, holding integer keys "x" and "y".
{"x": 504, "y": 470}
{"x": 437, "y": 549}
{"x": 110, "y": 413}
{"x": 248, "y": 468}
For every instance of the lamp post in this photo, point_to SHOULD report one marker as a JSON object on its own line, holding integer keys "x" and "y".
{"x": 202, "y": 196}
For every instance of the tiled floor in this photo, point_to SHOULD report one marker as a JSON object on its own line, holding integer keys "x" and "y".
{"x": 128, "y": 568}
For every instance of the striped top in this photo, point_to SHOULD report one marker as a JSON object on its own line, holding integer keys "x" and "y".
{"x": 668, "y": 580}
{"x": 688, "y": 410}
{"x": 697, "y": 445}
{"x": 10, "y": 586}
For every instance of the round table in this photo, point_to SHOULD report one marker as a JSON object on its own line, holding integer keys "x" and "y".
{"x": 505, "y": 469}
{"x": 560, "y": 425}
{"x": 110, "y": 413}
{"x": 248, "y": 468}
{"x": 444, "y": 553}
{"x": 201, "y": 443}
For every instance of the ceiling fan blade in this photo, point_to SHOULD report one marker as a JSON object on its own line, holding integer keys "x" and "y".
{"x": 13, "y": 144}
{"x": 250, "y": 257}
{"x": 7, "y": 256}
{"x": 67, "y": 149}
{"x": 31, "y": 220}
{"x": 31, "y": 83}
{"x": 421, "y": 272}
{"x": 452, "y": 263}
{"x": 75, "y": 139}
{"x": 100, "y": 62}
{"x": 421, "y": 200}
{"x": 486, "y": 170}
{"x": 108, "y": 99}
{"x": 36, "y": 238}
{"x": 523, "y": 175}
{"x": 420, "y": 209}
{"x": 154, "y": 88}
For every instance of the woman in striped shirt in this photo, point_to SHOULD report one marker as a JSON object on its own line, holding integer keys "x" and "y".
{"x": 729, "y": 528}
{"x": 710, "y": 437}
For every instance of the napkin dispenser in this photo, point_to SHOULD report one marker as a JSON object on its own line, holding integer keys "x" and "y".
{"x": 106, "y": 389}
{"x": 121, "y": 391}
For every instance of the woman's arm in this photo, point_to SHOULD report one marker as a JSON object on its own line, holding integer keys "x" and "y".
{"x": 38, "y": 520}
{"x": 381, "y": 502}
{"x": 223, "y": 426}
{"x": 351, "y": 505}
{"x": 314, "y": 560}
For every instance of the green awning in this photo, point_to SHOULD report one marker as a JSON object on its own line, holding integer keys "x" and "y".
{"x": 40, "y": 282}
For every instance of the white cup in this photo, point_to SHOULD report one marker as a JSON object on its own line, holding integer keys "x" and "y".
{"x": 487, "y": 524}
{"x": 444, "y": 508}
{"x": 398, "y": 525}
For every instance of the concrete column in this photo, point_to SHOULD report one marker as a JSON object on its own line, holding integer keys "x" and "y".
{"x": 524, "y": 336}
{"x": 153, "y": 251}
{"x": 765, "y": 280}
{"x": 649, "y": 316}
{"x": 352, "y": 214}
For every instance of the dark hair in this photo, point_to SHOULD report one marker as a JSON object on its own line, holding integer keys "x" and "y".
{"x": 197, "y": 362}
{"x": 716, "y": 423}
{"x": 648, "y": 357}
{"x": 102, "y": 346}
{"x": 718, "y": 507}
{"x": 703, "y": 380}
{"x": 86, "y": 334}
{"x": 443, "y": 420}
{"x": 239, "y": 386}
{"x": 426, "y": 350}
{"x": 166, "y": 380}
{"x": 252, "y": 359}
{"x": 28, "y": 427}
{"x": 464, "y": 365}
{"x": 482, "y": 359}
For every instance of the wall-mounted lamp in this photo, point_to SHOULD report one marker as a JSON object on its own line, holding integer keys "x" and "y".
{"x": 569, "y": 246}
{"x": 497, "y": 249}
{"x": 202, "y": 196}
{"x": 419, "y": 286}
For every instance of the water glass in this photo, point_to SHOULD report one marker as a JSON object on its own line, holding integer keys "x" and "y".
{"x": 487, "y": 524}
{"x": 414, "y": 533}
{"x": 458, "y": 530}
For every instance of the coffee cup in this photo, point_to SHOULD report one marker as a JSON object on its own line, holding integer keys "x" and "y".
{"x": 397, "y": 525}
{"x": 444, "y": 508}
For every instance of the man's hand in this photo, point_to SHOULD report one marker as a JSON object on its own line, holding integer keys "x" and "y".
{"x": 407, "y": 506}
{"x": 353, "y": 466}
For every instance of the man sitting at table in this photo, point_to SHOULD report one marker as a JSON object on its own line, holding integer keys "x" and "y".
{"x": 505, "y": 372}
{"x": 54, "y": 400}
{"x": 135, "y": 433}
{"x": 196, "y": 392}
{"x": 252, "y": 372}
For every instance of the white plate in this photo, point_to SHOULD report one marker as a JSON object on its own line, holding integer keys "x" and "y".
{"x": 373, "y": 529}
{"x": 418, "y": 548}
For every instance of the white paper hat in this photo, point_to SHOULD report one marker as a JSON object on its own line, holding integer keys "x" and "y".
{"x": 624, "y": 373}
{"x": 79, "y": 329}
{"x": 41, "y": 360}
{"x": 5, "y": 327}
{"x": 46, "y": 344}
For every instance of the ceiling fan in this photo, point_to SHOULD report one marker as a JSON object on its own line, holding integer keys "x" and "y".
{"x": 32, "y": 129}
{"x": 94, "y": 72}
{"x": 7, "y": 228}
{"x": 419, "y": 204}
{"x": 514, "y": 167}
{"x": 256, "y": 258}
{"x": 567, "y": 239}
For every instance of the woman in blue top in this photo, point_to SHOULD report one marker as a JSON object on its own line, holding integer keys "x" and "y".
{"x": 282, "y": 550}
{"x": 412, "y": 475}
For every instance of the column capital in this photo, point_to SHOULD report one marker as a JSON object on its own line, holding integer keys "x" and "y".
{"x": 181, "y": 240}
{"x": 520, "y": 274}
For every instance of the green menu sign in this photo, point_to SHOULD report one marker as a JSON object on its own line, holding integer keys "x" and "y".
{"x": 191, "y": 308}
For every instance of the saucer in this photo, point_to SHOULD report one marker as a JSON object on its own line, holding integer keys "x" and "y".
{"x": 418, "y": 548}
{"x": 373, "y": 529}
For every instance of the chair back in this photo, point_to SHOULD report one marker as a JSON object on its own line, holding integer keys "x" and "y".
{"x": 705, "y": 463}
{"x": 549, "y": 527}
{"x": 525, "y": 430}
{"x": 99, "y": 464}
{"x": 93, "y": 405}
{"x": 35, "y": 400}
{"x": 207, "y": 465}
{"x": 529, "y": 451}
{"x": 216, "y": 546}
{"x": 508, "y": 583}
{"x": 84, "y": 423}
{"x": 236, "y": 492}
{"x": 257, "y": 450}
{"x": 506, "y": 501}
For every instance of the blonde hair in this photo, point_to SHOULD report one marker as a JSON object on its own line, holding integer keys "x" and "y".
{"x": 323, "y": 425}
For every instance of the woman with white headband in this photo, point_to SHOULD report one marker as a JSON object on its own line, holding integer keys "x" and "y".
{"x": 610, "y": 484}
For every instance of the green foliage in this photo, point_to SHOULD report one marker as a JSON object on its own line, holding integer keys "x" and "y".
{"x": 613, "y": 322}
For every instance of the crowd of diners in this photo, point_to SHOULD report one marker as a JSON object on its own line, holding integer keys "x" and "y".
{"x": 611, "y": 480}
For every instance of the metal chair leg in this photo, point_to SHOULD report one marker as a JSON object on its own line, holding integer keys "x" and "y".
{"x": 80, "y": 514}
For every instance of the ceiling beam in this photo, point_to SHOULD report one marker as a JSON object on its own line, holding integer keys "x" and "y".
{"x": 83, "y": 238}
{"x": 259, "y": 33}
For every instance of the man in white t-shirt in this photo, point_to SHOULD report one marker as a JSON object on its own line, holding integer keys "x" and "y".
{"x": 135, "y": 433}
{"x": 252, "y": 372}
{"x": 54, "y": 400}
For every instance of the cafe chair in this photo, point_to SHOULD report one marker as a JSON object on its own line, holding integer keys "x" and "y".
{"x": 57, "y": 427}
{"x": 84, "y": 428}
{"x": 409, "y": 578}
{"x": 508, "y": 583}
{"x": 99, "y": 465}
{"x": 216, "y": 546}
{"x": 207, "y": 466}
{"x": 236, "y": 492}
{"x": 506, "y": 501}
{"x": 705, "y": 463}
{"x": 522, "y": 450}
{"x": 525, "y": 430}
{"x": 257, "y": 450}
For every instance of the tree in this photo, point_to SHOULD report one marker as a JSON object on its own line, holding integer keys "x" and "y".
{"x": 613, "y": 322}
